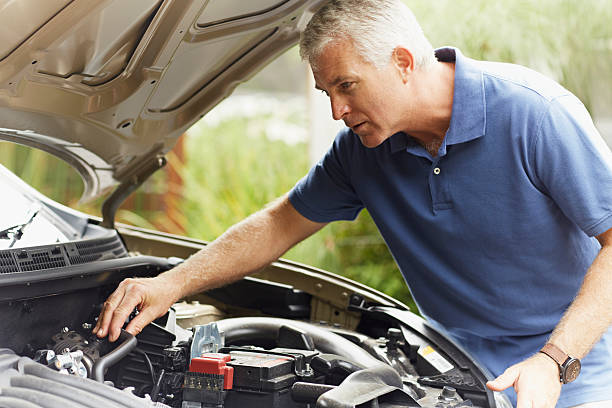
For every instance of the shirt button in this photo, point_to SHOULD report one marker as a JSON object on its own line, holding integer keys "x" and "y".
{"x": 437, "y": 171}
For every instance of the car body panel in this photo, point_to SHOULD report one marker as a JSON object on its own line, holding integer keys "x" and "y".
{"x": 110, "y": 85}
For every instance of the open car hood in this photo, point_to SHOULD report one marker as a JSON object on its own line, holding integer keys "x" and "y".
{"x": 110, "y": 85}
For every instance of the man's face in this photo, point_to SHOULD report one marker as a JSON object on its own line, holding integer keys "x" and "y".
{"x": 366, "y": 98}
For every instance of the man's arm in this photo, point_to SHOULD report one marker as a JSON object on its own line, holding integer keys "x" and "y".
{"x": 536, "y": 380}
{"x": 244, "y": 248}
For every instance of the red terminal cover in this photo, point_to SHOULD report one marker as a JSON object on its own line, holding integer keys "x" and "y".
{"x": 228, "y": 378}
{"x": 214, "y": 363}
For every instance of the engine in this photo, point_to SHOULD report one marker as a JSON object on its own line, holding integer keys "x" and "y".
{"x": 238, "y": 362}
{"x": 262, "y": 346}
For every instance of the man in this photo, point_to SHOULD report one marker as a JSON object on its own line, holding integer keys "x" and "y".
{"x": 488, "y": 182}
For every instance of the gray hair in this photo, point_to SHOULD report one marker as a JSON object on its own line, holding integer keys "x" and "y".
{"x": 375, "y": 27}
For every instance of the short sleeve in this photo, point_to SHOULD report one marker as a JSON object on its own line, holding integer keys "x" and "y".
{"x": 574, "y": 165}
{"x": 326, "y": 194}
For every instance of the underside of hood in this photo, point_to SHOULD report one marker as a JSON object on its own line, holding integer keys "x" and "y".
{"x": 110, "y": 85}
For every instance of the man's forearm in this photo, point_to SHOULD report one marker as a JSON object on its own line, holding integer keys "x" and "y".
{"x": 244, "y": 248}
{"x": 590, "y": 314}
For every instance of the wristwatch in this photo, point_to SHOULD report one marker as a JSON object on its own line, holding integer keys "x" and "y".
{"x": 569, "y": 367}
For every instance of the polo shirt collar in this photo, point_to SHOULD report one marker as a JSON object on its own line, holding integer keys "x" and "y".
{"x": 468, "y": 117}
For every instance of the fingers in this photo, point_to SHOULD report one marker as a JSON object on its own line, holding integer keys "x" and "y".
{"x": 117, "y": 309}
{"x": 150, "y": 295}
{"x": 108, "y": 308}
{"x": 506, "y": 380}
{"x": 535, "y": 380}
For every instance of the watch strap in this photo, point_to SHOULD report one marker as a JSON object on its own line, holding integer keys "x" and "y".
{"x": 555, "y": 353}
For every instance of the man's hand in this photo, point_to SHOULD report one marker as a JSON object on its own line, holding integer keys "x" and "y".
{"x": 151, "y": 296}
{"x": 535, "y": 380}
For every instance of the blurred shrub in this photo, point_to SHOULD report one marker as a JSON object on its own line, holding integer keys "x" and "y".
{"x": 568, "y": 40}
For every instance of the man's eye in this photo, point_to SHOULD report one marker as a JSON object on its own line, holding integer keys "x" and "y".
{"x": 346, "y": 85}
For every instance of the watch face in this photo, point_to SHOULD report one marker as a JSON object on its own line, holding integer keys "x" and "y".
{"x": 572, "y": 369}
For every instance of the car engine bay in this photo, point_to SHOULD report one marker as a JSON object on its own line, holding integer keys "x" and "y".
{"x": 263, "y": 351}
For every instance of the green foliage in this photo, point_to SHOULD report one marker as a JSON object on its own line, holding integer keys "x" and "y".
{"x": 568, "y": 40}
{"x": 231, "y": 173}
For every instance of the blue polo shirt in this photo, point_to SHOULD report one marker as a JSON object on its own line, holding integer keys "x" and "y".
{"x": 494, "y": 234}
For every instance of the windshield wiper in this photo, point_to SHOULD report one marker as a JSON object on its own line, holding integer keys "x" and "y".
{"x": 16, "y": 232}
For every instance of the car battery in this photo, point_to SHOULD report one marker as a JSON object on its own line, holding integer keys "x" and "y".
{"x": 243, "y": 378}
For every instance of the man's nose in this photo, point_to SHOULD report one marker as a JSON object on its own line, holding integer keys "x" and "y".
{"x": 339, "y": 108}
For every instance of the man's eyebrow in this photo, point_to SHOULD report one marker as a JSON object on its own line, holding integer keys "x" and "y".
{"x": 335, "y": 82}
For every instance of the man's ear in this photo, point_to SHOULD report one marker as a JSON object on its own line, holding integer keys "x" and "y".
{"x": 403, "y": 60}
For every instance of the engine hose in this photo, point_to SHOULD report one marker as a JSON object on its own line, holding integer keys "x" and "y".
{"x": 309, "y": 392}
{"x": 86, "y": 398}
{"x": 266, "y": 328}
{"x": 39, "y": 398}
{"x": 103, "y": 390}
{"x": 11, "y": 402}
{"x": 128, "y": 343}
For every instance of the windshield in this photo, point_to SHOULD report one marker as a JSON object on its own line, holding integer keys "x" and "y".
{"x": 24, "y": 222}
